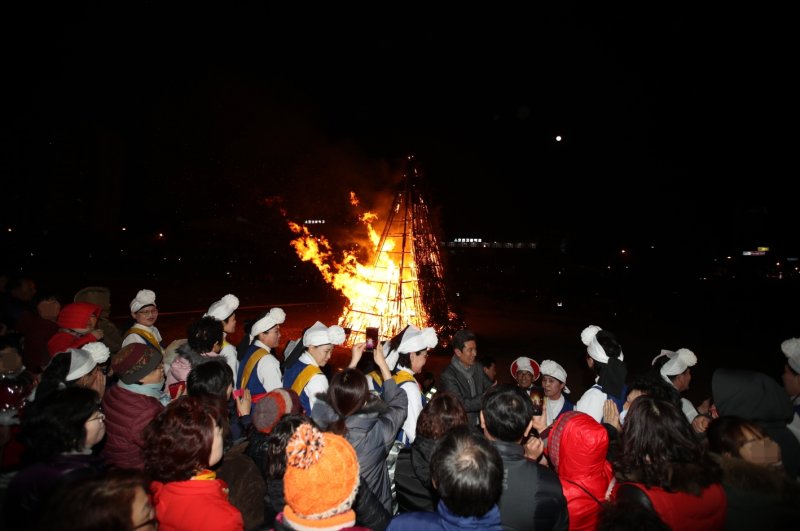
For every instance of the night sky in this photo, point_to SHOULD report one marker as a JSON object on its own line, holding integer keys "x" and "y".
{"x": 675, "y": 120}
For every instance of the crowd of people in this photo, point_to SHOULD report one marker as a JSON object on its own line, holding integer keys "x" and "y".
{"x": 105, "y": 428}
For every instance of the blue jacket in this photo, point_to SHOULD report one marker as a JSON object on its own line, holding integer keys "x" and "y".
{"x": 443, "y": 520}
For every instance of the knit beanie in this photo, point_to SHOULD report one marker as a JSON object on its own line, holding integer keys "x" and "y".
{"x": 75, "y": 315}
{"x": 268, "y": 411}
{"x": 135, "y": 361}
{"x": 321, "y": 480}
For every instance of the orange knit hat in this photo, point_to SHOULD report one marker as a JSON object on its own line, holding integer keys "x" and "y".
{"x": 321, "y": 478}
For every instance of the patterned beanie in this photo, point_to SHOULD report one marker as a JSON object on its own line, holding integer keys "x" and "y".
{"x": 135, "y": 361}
{"x": 321, "y": 480}
{"x": 268, "y": 411}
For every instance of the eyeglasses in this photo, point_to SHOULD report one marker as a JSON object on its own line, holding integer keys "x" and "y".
{"x": 100, "y": 416}
{"x": 148, "y": 312}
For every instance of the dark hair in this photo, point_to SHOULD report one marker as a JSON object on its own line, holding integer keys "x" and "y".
{"x": 726, "y": 435}
{"x": 507, "y": 412}
{"x": 444, "y": 412}
{"x": 468, "y": 472}
{"x": 210, "y": 377}
{"x": 244, "y": 344}
{"x": 486, "y": 360}
{"x": 657, "y": 436}
{"x": 204, "y": 333}
{"x": 624, "y": 514}
{"x": 651, "y": 384}
{"x": 275, "y": 453}
{"x": 660, "y": 362}
{"x": 55, "y": 423}
{"x": 348, "y": 392}
{"x": 609, "y": 343}
{"x": 461, "y": 337}
{"x": 96, "y": 503}
{"x": 178, "y": 441}
{"x": 54, "y": 375}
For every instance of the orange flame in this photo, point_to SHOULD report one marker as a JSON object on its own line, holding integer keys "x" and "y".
{"x": 383, "y": 295}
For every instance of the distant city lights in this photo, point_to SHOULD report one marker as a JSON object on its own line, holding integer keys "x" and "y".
{"x": 558, "y": 138}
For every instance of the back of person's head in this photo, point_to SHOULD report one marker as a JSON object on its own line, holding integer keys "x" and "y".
{"x": 461, "y": 337}
{"x": 486, "y": 360}
{"x": 467, "y": 472}
{"x": 657, "y": 436}
{"x": 55, "y": 423}
{"x": 204, "y": 333}
{"x": 507, "y": 412}
{"x": 275, "y": 458}
{"x": 179, "y": 440}
{"x": 609, "y": 343}
{"x": 212, "y": 377}
{"x": 348, "y": 392}
{"x": 651, "y": 384}
{"x": 444, "y": 412}
{"x": 54, "y": 375}
{"x": 101, "y": 504}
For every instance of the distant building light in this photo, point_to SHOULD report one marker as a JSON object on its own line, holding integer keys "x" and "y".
{"x": 764, "y": 249}
{"x": 753, "y": 253}
{"x": 314, "y": 222}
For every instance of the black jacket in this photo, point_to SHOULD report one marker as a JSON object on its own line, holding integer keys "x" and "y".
{"x": 532, "y": 497}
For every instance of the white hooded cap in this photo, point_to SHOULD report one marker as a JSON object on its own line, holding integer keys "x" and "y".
{"x": 145, "y": 297}
{"x": 554, "y": 370}
{"x": 392, "y": 356}
{"x": 319, "y": 334}
{"x": 81, "y": 363}
{"x": 274, "y": 317}
{"x": 223, "y": 308}
{"x": 791, "y": 349}
{"x": 98, "y": 351}
{"x": 677, "y": 362}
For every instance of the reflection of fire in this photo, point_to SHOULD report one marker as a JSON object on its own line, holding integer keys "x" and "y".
{"x": 384, "y": 295}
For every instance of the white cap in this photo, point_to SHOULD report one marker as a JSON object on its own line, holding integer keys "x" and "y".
{"x": 554, "y": 370}
{"x": 593, "y": 347}
{"x": 791, "y": 349}
{"x": 98, "y": 351}
{"x": 81, "y": 363}
{"x": 392, "y": 356}
{"x": 677, "y": 362}
{"x": 414, "y": 340}
{"x": 319, "y": 334}
{"x": 274, "y": 317}
{"x": 144, "y": 298}
{"x": 223, "y": 308}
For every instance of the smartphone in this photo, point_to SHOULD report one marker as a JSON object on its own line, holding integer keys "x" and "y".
{"x": 372, "y": 339}
{"x": 238, "y": 393}
{"x": 537, "y": 398}
{"x": 176, "y": 388}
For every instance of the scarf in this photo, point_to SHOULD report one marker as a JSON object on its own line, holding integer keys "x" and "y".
{"x": 466, "y": 372}
{"x": 154, "y": 390}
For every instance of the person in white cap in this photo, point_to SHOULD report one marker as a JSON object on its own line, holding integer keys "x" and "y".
{"x": 675, "y": 369}
{"x": 554, "y": 383}
{"x": 225, "y": 310}
{"x": 305, "y": 376}
{"x": 413, "y": 353}
{"x": 259, "y": 370}
{"x": 525, "y": 372}
{"x": 791, "y": 380}
{"x": 604, "y": 356}
{"x": 145, "y": 312}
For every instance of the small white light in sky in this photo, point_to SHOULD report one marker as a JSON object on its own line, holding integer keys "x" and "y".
{"x": 124, "y": 229}
{"x": 9, "y": 229}
{"x": 558, "y": 138}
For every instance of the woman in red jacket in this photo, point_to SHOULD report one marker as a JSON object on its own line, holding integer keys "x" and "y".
{"x": 181, "y": 445}
{"x": 664, "y": 467}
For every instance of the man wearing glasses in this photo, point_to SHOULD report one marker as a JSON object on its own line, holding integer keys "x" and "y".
{"x": 145, "y": 313}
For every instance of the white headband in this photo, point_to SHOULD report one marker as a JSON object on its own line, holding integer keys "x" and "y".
{"x": 678, "y": 362}
{"x": 415, "y": 340}
{"x": 274, "y": 317}
{"x": 791, "y": 349}
{"x": 223, "y": 308}
{"x": 593, "y": 347}
{"x": 319, "y": 334}
{"x": 554, "y": 370}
